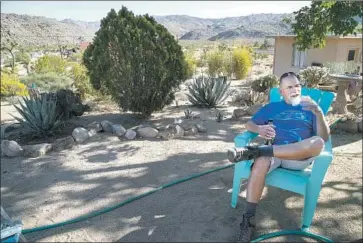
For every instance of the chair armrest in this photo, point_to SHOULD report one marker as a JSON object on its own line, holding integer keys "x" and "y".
{"x": 244, "y": 138}
{"x": 322, "y": 163}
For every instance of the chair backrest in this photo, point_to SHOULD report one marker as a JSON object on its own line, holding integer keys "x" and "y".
{"x": 323, "y": 98}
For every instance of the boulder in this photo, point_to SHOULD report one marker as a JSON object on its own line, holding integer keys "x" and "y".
{"x": 130, "y": 134}
{"x": 118, "y": 129}
{"x": 251, "y": 110}
{"x": 191, "y": 132}
{"x": 80, "y": 134}
{"x": 11, "y": 148}
{"x": 63, "y": 143}
{"x": 107, "y": 126}
{"x": 348, "y": 125}
{"x": 239, "y": 113}
{"x": 147, "y": 132}
{"x": 201, "y": 128}
{"x": 37, "y": 150}
{"x": 94, "y": 126}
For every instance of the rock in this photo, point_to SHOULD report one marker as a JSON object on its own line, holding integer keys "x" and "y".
{"x": 130, "y": 134}
{"x": 251, "y": 110}
{"x": 118, "y": 129}
{"x": 166, "y": 134}
{"x": 239, "y": 113}
{"x": 201, "y": 128}
{"x": 95, "y": 126}
{"x": 92, "y": 132}
{"x": 7, "y": 129}
{"x": 11, "y": 148}
{"x": 63, "y": 143}
{"x": 191, "y": 132}
{"x": 107, "y": 126}
{"x": 80, "y": 134}
{"x": 187, "y": 125}
{"x": 348, "y": 126}
{"x": 37, "y": 150}
{"x": 148, "y": 132}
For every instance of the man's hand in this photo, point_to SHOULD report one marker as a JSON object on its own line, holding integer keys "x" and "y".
{"x": 309, "y": 104}
{"x": 266, "y": 131}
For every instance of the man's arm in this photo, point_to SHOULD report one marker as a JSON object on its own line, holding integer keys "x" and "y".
{"x": 265, "y": 131}
{"x": 322, "y": 127}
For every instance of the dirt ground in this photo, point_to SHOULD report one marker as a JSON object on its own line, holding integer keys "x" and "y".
{"x": 105, "y": 170}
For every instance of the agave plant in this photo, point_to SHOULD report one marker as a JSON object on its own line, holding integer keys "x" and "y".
{"x": 207, "y": 91}
{"x": 39, "y": 116}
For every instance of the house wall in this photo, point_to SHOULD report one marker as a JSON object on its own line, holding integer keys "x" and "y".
{"x": 335, "y": 50}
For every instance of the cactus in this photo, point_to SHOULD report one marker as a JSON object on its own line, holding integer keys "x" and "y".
{"x": 39, "y": 116}
{"x": 312, "y": 76}
{"x": 219, "y": 116}
{"x": 188, "y": 113}
{"x": 208, "y": 92}
{"x": 265, "y": 83}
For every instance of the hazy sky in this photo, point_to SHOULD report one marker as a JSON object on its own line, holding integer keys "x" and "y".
{"x": 96, "y": 10}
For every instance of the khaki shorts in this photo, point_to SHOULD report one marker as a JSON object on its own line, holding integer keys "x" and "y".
{"x": 289, "y": 164}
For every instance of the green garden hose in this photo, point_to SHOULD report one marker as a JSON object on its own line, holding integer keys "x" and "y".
{"x": 131, "y": 199}
{"x": 127, "y": 201}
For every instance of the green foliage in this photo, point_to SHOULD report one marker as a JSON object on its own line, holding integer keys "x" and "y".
{"x": 188, "y": 114}
{"x": 208, "y": 91}
{"x": 219, "y": 116}
{"x": 312, "y": 76}
{"x": 22, "y": 57}
{"x": 137, "y": 60}
{"x": 48, "y": 81}
{"x": 11, "y": 86}
{"x": 312, "y": 24}
{"x": 265, "y": 45}
{"x": 39, "y": 117}
{"x": 82, "y": 84}
{"x": 256, "y": 44}
{"x": 50, "y": 64}
{"x": 242, "y": 62}
{"x": 191, "y": 65}
{"x": 215, "y": 63}
{"x": 265, "y": 83}
{"x": 350, "y": 67}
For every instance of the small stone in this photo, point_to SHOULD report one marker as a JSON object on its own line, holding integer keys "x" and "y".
{"x": 94, "y": 125}
{"x": 107, "y": 126}
{"x": 147, "y": 132}
{"x": 130, "y": 134}
{"x": 37, "y": 150}
{"x": 63, "y": 143}
{"x": 92, "y": 132}
{"x": 201, "y": 128}
{"x": 239, "y": 113}
{"x": 118, "y": 129}
{"x": 11, "y": 148}
{"x": 178, "y": 131}
{"x": 80, "y": 134}
{"x": 191, "y": 132}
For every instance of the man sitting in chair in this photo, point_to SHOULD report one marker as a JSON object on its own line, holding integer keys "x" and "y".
{"x": 297, "y": 136}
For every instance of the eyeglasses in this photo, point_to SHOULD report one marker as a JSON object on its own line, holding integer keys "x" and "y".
{"x": 284, "y": 75}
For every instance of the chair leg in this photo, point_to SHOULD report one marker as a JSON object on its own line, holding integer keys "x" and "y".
{"x": 235, "y": 190}
{"x": 310, "y": 202}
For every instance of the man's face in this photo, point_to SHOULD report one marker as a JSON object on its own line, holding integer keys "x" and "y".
{"x": 290, "y": 89}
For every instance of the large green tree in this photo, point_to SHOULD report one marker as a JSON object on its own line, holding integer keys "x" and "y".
{"x": 136, "y": 60}
{"x": 312, "y": 24}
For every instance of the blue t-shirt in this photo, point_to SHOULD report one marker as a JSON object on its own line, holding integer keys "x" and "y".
{"x": 292, "y": 122}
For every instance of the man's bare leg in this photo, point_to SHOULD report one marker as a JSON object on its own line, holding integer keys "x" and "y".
{"x": 304, "y": 149}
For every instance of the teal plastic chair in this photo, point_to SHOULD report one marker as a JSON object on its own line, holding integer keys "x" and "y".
{"x": 307, "y": 182}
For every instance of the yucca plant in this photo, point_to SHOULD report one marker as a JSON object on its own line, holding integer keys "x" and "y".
{"x": 207, "y": 91}
{"x": 188, "y": 114}
{"x": 39, "y": 116}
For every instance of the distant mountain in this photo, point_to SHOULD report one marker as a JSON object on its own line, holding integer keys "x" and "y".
{"x": 36, "y": 30}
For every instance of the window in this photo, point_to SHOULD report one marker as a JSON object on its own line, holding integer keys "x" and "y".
{"x": 351, "y": 55}
{"x": 298, "y": 57}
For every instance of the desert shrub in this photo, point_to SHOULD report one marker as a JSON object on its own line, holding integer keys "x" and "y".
{"x": 191, "y": 65}
{"x": 242, "y": 62}
{"x": 22, "y": 57}
{"x": 215, "y": 63}
{"x": 312, "y": 76}
{"x": 265, "y": 83}
{"x": 227, "y": 63}
{"x": 249, "y": 97}
{"x": 349, "y": 67}
{"x": 48, "y": 81}
{"x": 39, "y": 117}
{"x": 11, "y": 86}
{"x": 207, "y": 91}
{"x": 50, "y": 64}
{"x": 137, "y": 60}
{"x": 80, "y": 77}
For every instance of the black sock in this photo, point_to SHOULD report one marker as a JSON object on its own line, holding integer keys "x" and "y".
{"x": 266, "y": 150}
{"x": 250, "y": 209}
